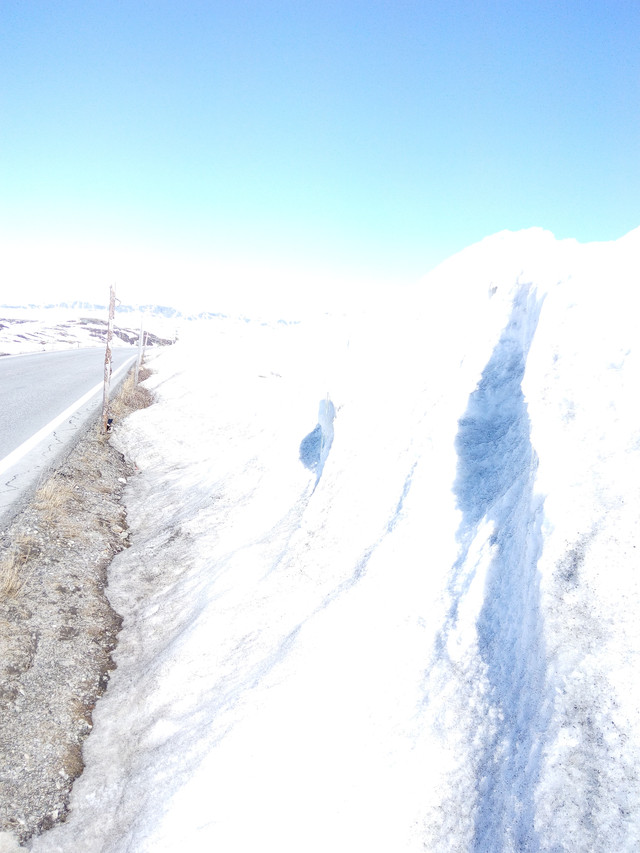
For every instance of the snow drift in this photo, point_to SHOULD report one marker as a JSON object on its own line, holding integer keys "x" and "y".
{"x": 406, "y": 625}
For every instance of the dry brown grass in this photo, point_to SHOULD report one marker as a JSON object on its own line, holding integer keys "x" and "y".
{"x": 72, "y": 763}
{"x": 130, "y": 397}
{"x": 89, "y": 464}
{"x": 10, "y": 573}
{"x": 57, "y": 507}
{"x": 53, "y": 498}
{"x": 12, "y": 565}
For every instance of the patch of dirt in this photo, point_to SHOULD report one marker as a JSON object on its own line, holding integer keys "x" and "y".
{"x": 57, "y": 629}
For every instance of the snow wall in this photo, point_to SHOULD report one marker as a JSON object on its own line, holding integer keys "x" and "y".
{"x": 409, "y": 624}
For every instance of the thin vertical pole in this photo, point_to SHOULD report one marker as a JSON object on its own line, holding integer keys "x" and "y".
{"x": 107, "y": 360}
{"x": 139, "y": 361}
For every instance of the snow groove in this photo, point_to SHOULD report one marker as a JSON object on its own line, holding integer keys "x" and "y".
{"x": 500, "y": 537}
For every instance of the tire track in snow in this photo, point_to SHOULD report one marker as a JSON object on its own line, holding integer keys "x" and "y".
{"x": 502, "y": 670}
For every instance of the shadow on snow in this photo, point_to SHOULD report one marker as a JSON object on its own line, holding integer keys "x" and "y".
{"x": 315, "y": 447}
{"x": 494, "y": 483}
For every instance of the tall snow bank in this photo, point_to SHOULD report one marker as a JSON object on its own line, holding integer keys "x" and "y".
{"x": 432, "y": 645}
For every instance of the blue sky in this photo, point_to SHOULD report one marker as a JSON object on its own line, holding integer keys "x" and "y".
{"x": 187, "y": 150}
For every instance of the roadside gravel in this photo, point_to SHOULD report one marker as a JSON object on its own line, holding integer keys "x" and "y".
{"x": 57, "y": 628}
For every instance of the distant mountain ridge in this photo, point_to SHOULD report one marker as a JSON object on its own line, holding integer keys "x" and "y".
{"x": 164, "y": 311}
{"x": 24, "y": 334}
{"x": 161, "y": 312}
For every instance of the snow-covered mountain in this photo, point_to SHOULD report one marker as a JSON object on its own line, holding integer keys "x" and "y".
{"x": 383, "y": 585}
{"x": 33, "y": 329}
{"x": 150, "y": 311}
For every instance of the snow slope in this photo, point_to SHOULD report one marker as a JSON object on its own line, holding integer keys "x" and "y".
{"x": 382, "y": 589}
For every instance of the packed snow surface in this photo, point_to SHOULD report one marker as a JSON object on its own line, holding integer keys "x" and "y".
{"x": 382, "y": 593}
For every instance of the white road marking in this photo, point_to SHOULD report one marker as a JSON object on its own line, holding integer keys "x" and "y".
{"x": 17, "y": 454}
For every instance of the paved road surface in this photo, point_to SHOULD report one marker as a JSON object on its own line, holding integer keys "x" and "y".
{"x": 35, "y": 389}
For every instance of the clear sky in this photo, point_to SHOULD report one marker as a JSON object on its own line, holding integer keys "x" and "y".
{"x": 191, "y": 149}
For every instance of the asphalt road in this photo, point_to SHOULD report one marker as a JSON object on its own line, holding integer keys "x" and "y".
{"x": 37, "y": 387}
{"x": 34, "y": 390}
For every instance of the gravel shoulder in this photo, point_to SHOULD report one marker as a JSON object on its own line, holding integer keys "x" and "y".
{"x": 57, "y": 628}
